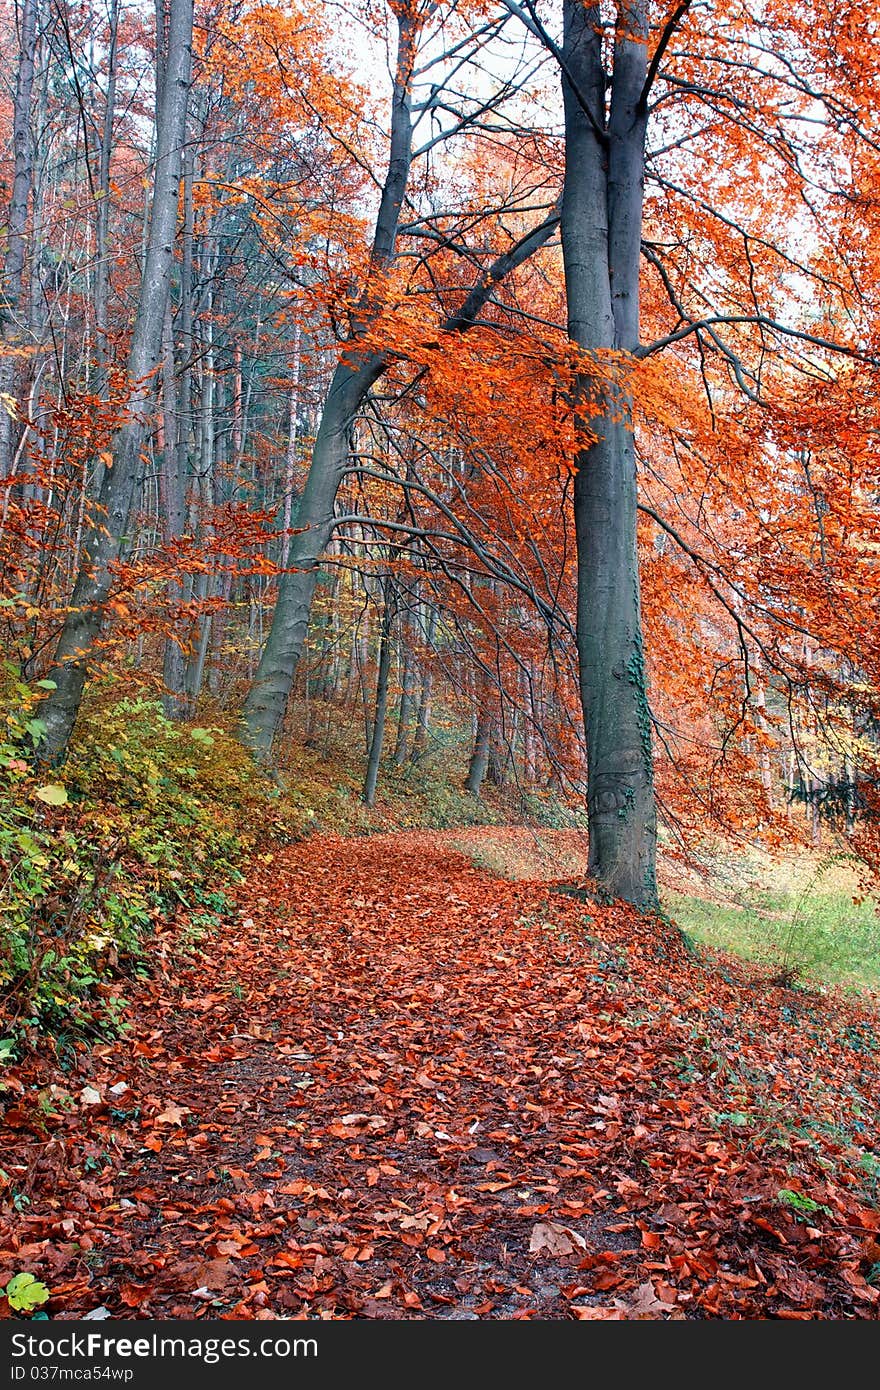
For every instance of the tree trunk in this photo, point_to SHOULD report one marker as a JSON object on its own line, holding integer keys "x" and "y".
{"x": 173, "y": 518}
{"x": 83, "y": 624}
{"x": 530, "y": 722}
{"x": 266, "y": 701}
{"x": 601, "y": 239}
{"x": 13, "y": 267}
{"x": 292, "y": 439}
{"x": 763, "y": 755}
{"x": 102, "y": 221}
{"x": 381, "y": 712}
{"x": 423, "y": 717}
{"x": 267, "y": 698}
{"x": 174, "y": 663}
{"x": 480, "y": 757}
{"x": 195, "y": 664}
{"x": 406, "y": 703}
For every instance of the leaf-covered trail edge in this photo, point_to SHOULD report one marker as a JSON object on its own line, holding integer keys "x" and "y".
{"x": 395, "y": 1086}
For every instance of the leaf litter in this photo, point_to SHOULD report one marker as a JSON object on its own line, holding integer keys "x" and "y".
{"x": 397, "y": 1087}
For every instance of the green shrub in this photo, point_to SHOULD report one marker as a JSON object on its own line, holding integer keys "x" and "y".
{"x": 147, "y": 817}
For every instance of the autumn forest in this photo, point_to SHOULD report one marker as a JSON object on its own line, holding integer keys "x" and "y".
{"x": 439, "y": 662}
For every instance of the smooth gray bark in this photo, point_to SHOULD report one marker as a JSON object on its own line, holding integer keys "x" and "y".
{"x": 292, "y": 443}
{"x": 380, "y": 715}
{"x": 267, "y": 698}
{"x": 198, "y": 647}
{"x": 401, "y": 746}
{"x": 174, "y": 661}
{"x": 13, "y": 266}
{"x": 173, "y": 519}
{"x": 109, "y": 521}
{"x": 423, "y": 717}
{"x": 480, "y": 756}
{"x": 102, "y": 224}
{"x": 601, "y": 240}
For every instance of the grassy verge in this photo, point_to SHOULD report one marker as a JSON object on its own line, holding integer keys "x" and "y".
{"x": 815, "y": 935}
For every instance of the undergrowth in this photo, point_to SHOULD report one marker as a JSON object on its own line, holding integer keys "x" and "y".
{"x": 146, "y": 817}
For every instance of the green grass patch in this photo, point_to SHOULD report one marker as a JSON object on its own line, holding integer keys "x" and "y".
{"x": 813, "y": 935}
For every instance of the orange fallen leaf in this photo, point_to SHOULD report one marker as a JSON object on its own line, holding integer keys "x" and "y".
{"x": 172, "y": 1115}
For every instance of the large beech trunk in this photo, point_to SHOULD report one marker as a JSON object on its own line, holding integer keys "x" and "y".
{"x": 109, "y": 521}
{"x": 601, "y": 239}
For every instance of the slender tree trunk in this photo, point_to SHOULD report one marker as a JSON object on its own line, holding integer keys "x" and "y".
{"x": 174, "y": 663}
{"x": 530, "y": 721}
{"x": 267, "y": 698}
{"x": 362, "y": 661}
{"x": 195, "y": 665}
{"x": 423, "y": 717}
{"x": 849, "y": 784}
{"x": 406, "y": 703}
{"x": 423, "y": 720}
{"x": 13, "y": 266}
{"x": 601, "y": 239}
{"x": 381, "y": 712}
{"x": 107, "y": 532}
{"x": 102, "y": 221}
{"x": 173, "y": 520}
{"x": 508, "y": 763}
{"x": 815, "y": 787}
{"x": 480, "y": 756}
{"x": 290, "y": 461}
{"x": 763, "y": 755}
{"x": 790, "y": 776}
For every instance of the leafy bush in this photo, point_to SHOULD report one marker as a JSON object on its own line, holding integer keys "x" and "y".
{"x": 147, "y": 817}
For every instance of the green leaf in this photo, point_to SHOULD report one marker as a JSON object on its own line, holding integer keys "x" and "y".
{"x": 46, "y": 685}
{"x": 801, "y": 1204}
{"x": 25, "y": 1293}
{"x": 201, "y": 736}
{"x": 53, "y": 794}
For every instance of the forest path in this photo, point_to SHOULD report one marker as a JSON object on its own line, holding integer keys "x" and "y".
{"x": 395, "y": 1086}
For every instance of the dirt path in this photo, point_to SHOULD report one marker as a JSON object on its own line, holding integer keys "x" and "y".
{"x": 398, "y": 1087}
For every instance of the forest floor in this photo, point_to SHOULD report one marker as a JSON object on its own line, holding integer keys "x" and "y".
{"x": 397, "y": 1085}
